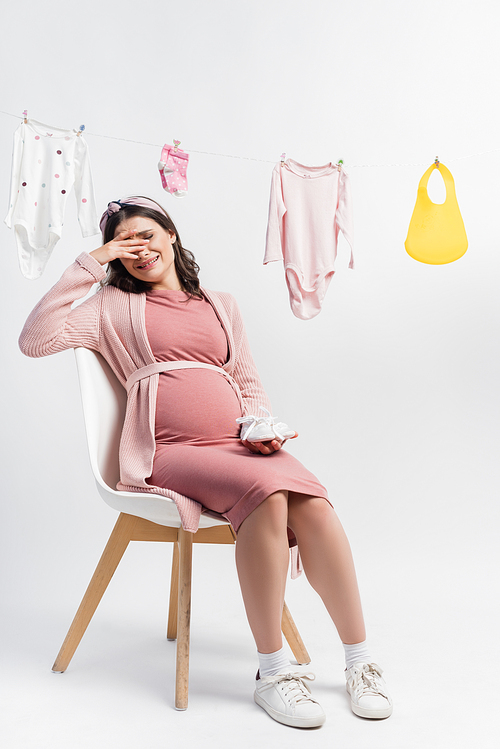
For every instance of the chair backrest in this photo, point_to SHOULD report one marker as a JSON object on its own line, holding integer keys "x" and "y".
{"x": 104, "y": 401}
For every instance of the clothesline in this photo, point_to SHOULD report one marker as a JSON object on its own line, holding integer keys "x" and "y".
{"x": 267, "y": 161}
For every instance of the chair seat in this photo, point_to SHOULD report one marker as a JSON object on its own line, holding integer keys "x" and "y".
{"x": 154, "y": 507}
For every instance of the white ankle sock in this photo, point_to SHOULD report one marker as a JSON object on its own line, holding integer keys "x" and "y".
{"x": 356, "y": 653}
{"x": 273, "y": 663}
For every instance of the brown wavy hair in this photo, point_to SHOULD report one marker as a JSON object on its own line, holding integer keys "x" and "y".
{"x": 186, "y": 267}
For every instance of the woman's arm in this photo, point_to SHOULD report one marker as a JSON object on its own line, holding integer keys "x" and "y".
{"x": 245, "y": 371}
{"x": 247, "y": 377}
{"x": 53, "y": 326}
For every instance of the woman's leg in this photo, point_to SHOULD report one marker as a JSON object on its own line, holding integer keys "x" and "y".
{"x": 328, "y": 563}
{"x": 262, "y": 563}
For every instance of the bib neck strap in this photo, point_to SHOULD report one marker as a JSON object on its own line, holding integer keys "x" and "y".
{"x": 448, "y": 180}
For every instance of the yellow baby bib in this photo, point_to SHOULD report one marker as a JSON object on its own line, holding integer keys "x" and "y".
{"x": 437, "y": 233}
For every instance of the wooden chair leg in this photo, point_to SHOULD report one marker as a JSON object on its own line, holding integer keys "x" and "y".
{"x": 183, "y": 619}
{"x": 112, "y": 554}
{"x": 293, "y": 637}
{"x": 174, "y": 595}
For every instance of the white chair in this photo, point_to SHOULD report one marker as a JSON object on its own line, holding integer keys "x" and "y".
{"x": 143, "y": 517}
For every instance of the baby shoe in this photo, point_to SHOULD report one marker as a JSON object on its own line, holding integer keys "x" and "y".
{"x": 283, "y": 431}
{"x": 263, "y": 428}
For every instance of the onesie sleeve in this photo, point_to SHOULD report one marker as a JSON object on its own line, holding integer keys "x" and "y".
{"x": 17, "y": 157}
{"x": 245, "y": 372}
{"x": 84, "y": 190}
{"x": 343, "y": 215}
{"x": 277, "y": 210}
{"x": 53, "y": 326}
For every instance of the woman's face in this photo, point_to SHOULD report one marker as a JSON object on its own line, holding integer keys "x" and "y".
{"x": 154, "y": 263}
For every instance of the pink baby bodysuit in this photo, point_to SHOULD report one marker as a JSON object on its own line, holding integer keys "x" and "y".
{"x": 308, "y": 207}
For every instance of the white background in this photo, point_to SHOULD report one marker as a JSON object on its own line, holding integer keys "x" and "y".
{"x": 393, "y": 387}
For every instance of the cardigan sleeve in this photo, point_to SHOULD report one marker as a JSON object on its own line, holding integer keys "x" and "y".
{"x": 53, "y": 326}
{"x": 245, "y": 372}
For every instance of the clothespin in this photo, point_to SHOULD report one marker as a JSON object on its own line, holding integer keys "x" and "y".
{"x": 282, "y": 158}
{"x": 25, "y": 115}
{"x": 436, "y": 162}
{"x": 340, "y": 164}
{"x": 176, "y": 145}
{"x": 81, "y": 129}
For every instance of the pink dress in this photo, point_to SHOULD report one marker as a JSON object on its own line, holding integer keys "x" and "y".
{"x": 198, "y": 450}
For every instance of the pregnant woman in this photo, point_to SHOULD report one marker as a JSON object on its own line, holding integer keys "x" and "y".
{"x": 189, "y": 432}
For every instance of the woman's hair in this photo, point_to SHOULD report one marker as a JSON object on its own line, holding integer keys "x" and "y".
{"x": 186, "y": 267}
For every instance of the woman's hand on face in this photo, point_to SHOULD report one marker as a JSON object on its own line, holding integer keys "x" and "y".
{"x": 125, "y": 244}
{"x": 266, "y": 448}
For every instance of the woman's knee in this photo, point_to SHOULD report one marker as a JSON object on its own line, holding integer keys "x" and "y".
{"x": 310, "y": 510}
{"x": 275, "y": 506}
{"x": 273, "y": 511}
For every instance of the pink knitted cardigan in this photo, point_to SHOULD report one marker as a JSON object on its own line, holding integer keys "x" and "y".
{"x": 113, "y": 323}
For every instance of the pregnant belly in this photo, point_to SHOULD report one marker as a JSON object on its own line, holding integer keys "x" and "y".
{"x": 196, "y": 406}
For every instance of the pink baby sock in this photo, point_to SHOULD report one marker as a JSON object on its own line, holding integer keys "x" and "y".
{"x": 173, "y": 168}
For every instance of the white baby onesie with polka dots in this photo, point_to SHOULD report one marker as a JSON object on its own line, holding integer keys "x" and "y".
{"x": 46, "y": 163}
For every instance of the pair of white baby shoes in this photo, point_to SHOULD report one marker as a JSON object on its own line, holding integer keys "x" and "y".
{"x": 263, "y": 428}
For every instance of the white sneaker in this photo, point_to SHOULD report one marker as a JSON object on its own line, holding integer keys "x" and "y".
{"x": 287, "y": 699}
{"x": 263, "y": 428}
{"x": 369, "y": 696}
